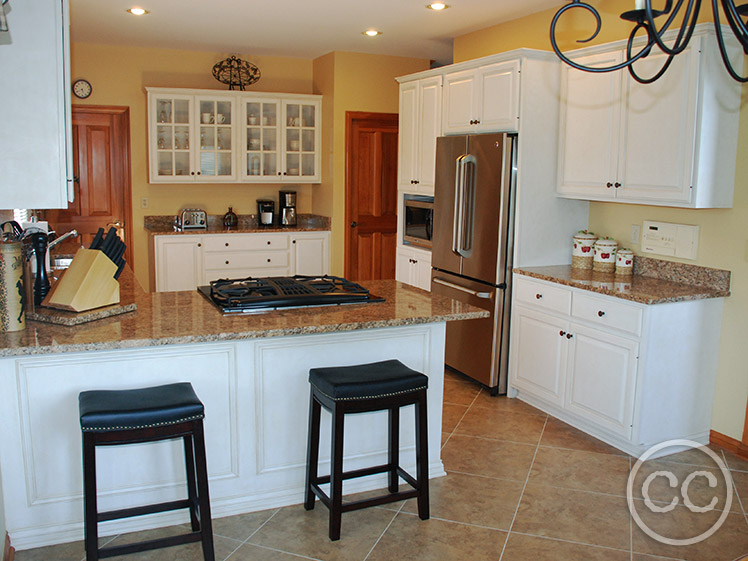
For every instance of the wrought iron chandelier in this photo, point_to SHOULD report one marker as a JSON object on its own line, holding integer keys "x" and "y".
{"x": 644, "y": 17}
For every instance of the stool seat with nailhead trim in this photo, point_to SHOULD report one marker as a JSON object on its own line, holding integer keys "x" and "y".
{"x": 363, "y": 388}
{"x": 116, "y": 417}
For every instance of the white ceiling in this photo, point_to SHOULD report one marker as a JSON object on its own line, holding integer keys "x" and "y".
{"x": 295, "y": 28}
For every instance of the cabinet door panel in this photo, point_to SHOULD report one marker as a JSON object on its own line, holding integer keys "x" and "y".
{"x": 408, "y": 127}
{"x": 602, "y": 374}
{"x": 589, "y": 129}
{"x": 459, "y": 98}
{"x": 429, "y": 128}
{"x": 657, "y": 154}
{"x": 178, "y": 263}
{"x": 539, "y": 354}
{"x": 311, "y": 254}
{"x": 499, "y": 97}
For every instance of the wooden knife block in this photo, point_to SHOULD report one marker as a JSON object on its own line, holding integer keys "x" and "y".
{"x": 87, "y": 284}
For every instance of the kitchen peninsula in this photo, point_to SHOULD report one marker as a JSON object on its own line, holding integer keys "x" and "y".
{"x": 249, "y": 370}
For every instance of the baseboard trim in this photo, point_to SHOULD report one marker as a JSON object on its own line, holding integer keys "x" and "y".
{"x": 729, "y": 443}
{"x": 8, "y": 552}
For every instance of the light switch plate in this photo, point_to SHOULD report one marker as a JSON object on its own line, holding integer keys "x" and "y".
{"x": 673, "y": 240}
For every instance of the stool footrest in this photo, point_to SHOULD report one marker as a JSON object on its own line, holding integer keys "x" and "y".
{"x": 169, "y": 541}
{"x": 141, "y": 510}
{"x": 357, "y": 473}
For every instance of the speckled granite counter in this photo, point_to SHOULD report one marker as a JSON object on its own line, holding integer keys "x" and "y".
{"x": 654, "y": 281}
{"x": 165, "y": 318}
{"x": 248, "y": 223}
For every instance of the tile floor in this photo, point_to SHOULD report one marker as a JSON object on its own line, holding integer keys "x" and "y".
{"x": 521, "y": 486}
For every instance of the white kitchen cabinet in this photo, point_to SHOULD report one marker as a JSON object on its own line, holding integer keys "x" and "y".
{"x": 420, "y": 125}
{"x": 650, "y": 143}
{"x": 178, "y": 262}
{"x": 630, "y": 374}
{"x": 413, "y": 267}
{"x": 191, "y": 137}
{"x": 483, "y": 99}
{"x": 36, "y": 137}
{"x": 186, "y": 261}
{"x": 205, "y": 136}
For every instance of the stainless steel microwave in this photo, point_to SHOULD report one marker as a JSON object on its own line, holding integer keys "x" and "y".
{"x": 419, "y": 221}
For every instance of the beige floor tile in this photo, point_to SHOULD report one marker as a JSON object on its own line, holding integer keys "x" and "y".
{"x": 503, "y": 403}
{"x": 642, "y": 557}
{"x": 531, "y": 548}
{"x": 694, "y": 456}
{"x": 459, "y": 392}
{"x": 492, "y": 458}
{"x": 502, "y": 425}
{"x": 584, "y": 471}
{"x": 295, "y": 530}
{"x": 412, "y": 539}
{"x": 472, "y": 499}
{"x": 728, "y": 543}
{"x": 451, "y": 415}
{"x": 560, "y": 435}
{"x": 249, "y": 552}
{"x": 699, "y": 491}
{"x": 445, "y": 437}
{"x": 188, "y": 552}
{"x": 740, "y": 480}
{"x": 241, "y": 526}
{"x": 64, "y": 552}
{"x": 578, "y": 516}
{"x": 736, "y": 463}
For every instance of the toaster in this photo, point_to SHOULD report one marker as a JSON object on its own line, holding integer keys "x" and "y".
{"x": 193, "y": 219}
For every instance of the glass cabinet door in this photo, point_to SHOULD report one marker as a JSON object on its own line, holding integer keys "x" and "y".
{"x": 262, "y": 139}
{"x": 215, "y": 149}
{"x": 173, "y": 139}
{"x": 301, "y": 139}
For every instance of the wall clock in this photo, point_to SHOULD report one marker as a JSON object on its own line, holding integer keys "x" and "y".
{"x": 82, "y": 88}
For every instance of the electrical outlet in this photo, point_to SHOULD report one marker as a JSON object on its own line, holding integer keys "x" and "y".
{"x": 636, "y": 234}
{"x": 144, "y": 202}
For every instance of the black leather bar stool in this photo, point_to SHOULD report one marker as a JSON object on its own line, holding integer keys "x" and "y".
{"x": 145, "y": 415}
{"x": 357, "y": 389}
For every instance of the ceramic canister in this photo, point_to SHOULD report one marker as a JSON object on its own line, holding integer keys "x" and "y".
{"x": 624, "y": 262}
{"x": 12, "y": 314}
{"x": 582, "y": 251}
{"x": 604, "y": 258}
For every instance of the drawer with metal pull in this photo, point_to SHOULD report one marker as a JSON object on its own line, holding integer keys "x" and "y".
{"x": 542, "y": 295}
{"x": 607, "y": 312}
{"x": 245, "y": 242}
{"x": 255, "y": 260}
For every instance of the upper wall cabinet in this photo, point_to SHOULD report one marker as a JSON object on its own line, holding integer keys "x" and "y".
{"x": 669, "y": 143}
{"x": 205, "y": 136}
{"x": 420, "y": 125}
{"x": 36, "y": 137}
{"x": 484, "y": 99}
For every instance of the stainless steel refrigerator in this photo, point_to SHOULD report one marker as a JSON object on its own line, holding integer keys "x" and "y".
{"x": 472, "y": 248}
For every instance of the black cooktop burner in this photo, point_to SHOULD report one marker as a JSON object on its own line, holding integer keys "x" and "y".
{"x": 261, "y": 293}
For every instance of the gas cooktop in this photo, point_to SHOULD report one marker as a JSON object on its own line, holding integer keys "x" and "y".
{"x": 256, "y": 294}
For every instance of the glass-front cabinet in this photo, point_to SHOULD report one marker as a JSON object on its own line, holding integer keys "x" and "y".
{"x": 233, "y": 137}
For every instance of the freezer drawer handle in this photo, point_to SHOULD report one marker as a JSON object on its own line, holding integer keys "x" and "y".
{"x": 484, "y": 295}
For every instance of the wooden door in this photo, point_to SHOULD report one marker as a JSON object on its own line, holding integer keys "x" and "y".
{"x": 101, "y": 164}
{"x": 371, "y": 195}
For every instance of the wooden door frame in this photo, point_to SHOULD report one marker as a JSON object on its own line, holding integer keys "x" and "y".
{"x": 124, "y": 113}
{"x": 350, "y": 118}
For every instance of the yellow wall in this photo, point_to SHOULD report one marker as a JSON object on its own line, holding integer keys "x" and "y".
{"x": 119, "y": 76}
{"x": 351, "y": 82}
{"x": 723, "y": 239}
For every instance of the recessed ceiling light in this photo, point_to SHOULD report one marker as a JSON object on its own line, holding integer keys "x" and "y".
{"x": 438, "y": 6}
{"x": 137, "y": 11}
{"x": 371, "y": 33}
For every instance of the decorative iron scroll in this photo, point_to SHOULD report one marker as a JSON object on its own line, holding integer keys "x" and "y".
{"x": 236, "y": 72}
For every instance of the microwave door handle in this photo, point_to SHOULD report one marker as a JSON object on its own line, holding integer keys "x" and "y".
{"x": 468, "y": 220}
{"x": 458, "y": 215}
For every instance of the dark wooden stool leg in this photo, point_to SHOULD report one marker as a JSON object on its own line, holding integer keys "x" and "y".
{"x": 201, "y": 467}
{"x": 422, "y": 456}
{"x": 312, "y": 451}
{"x": 91, "y": 530}
{"x": 189, "y": 462}
{"x": 336, "y": 471}
{"x": 393, "y": 453}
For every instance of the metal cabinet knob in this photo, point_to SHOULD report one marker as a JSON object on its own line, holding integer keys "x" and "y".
{"x": 199, "y": 245}
{"x": 268, "y": 260}
{"x": 609, "y": 185}
{"x": 538, "y": 296}
{"x": 268, "y": 242}
{"x": 562, "y": 333}
{"x": 227, "y": 262}
{"x": 192, "y": 173}
{"x": 600, "y": 313}
{"x": 617, "y": 185}
{"x": 199, "y": 172}
{"x": 354, "y": 224}
{"x": 227, "y": 244}
{"x": 569, "y": 335}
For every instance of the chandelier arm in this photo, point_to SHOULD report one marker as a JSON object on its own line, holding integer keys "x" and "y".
{"x": 735, "y": 21}
{"x": 721, "y": 42}
{"x": 686, "y": 29}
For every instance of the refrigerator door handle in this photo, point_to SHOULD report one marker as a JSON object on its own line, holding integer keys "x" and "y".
{"x": 462, "y": 224}
{"x": 457, "y": 217}
{"x": 483, "y": 295}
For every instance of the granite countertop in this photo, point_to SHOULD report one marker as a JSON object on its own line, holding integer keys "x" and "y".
{"x": 165, "y": 318}
{"x": 654, "y": 281}
{"x": 247, "y": 224}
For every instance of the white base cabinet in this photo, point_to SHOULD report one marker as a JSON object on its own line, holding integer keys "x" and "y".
{"x": 413, "y": 267}
{"x": 630, "y": 374}
{"x": 186, "y": 261}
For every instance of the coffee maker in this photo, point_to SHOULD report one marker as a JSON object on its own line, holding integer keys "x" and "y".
{"x": 265, "y": 210}
{"x": 287, "y": 204}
